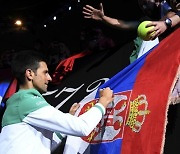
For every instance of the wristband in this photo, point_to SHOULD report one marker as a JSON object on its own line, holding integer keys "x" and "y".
{"x": 168, "y": 23}
{"x": 101, "y": 108}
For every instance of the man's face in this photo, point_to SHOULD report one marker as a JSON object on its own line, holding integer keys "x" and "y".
{"x": 41, "y": 78}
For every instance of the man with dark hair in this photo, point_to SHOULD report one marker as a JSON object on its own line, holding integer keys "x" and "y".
{"x": 32, "y": 126}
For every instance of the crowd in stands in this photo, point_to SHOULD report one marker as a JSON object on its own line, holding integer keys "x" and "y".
{"x": 90, "y": 40}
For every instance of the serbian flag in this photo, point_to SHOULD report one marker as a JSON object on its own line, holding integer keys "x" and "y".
{"x": 135, "y": 122}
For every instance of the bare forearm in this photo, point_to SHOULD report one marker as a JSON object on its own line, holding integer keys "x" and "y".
{"x": 120, "y": 24}
{"x": 175, "y": 20}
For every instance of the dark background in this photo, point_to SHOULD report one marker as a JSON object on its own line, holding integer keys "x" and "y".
{"x": 66, "y": 28}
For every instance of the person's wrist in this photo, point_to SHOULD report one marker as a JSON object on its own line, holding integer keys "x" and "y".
{"x": 103, "y": 17}
{"x": 104, "y": 101}
{"x": 101, "y": 108}
{"x": 168, "y": 23}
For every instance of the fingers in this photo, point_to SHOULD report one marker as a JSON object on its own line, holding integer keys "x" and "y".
{"x": 104, "y": 89}
{"x": 87, "y": 15}
{"x": 154, "y": 33}
{"x": 101, "y": 7}
{"x": 89, "y": 7}
{"x": 74, "y": 105}
{"x": 151, "y": 30}
{"x": 153, "y": 36}
{"x": 150, "y": 24}
{"x": 106, "y": 92}
{"x": 74, "y": 108}
{"x": 107, "y": 88}
{"x": 87, "y": 10}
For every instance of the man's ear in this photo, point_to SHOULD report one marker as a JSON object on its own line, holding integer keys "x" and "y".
{"x": 29, "y": 74}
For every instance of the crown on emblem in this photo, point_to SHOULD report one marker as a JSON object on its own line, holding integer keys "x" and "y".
{"x": 137, "y": 113}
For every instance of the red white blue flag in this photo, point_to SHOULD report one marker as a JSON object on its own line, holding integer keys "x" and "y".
{"x": 136, "y": 121}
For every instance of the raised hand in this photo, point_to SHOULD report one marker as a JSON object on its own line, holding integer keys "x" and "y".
{"x": 93, "y": 13}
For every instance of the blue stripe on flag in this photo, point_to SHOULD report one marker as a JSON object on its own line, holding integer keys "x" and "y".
{"x": 106, "y": 148}
{"x": 3, "y": 88}
{"x": 125, "y": 79}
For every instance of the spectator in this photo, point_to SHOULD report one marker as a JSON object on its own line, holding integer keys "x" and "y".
{"x": 57, "y": 52}
{"x": 150, "y": 9}
{"x": 95, "y": 40}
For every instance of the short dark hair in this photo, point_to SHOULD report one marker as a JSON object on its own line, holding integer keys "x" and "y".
{"x": 23, "y": 60}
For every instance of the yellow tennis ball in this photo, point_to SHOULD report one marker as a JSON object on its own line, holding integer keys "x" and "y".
{"x": 143, "y": 31}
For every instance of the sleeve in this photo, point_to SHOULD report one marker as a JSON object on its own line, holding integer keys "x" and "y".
{"x": 52, "y": 119}
{"x": 56, "y": 141}
{"x": 30, "y": 102}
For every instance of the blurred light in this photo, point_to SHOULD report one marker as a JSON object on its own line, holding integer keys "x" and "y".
{"x": 78, "y": 0}
{"x": 2, "y": 104}
{"x": 0, "y": 100}
{"x": 70, "y": 8}
{"x": 45, "y": 25}
{"x": 18, "y": 22}
{"x": 54, "y": 18}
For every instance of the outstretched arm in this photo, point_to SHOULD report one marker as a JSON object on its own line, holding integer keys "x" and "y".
{"x": 98, "y": 14}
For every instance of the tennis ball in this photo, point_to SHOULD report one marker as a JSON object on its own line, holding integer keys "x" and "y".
{"x": 143, "y": 31}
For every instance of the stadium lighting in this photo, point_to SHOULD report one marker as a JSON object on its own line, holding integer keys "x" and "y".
{"x": 18, "y": 23}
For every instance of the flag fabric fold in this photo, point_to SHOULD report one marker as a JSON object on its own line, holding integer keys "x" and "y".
{"x": 66, "y": 66}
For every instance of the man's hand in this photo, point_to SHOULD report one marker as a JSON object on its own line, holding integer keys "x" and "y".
{"x": 106, "y": 96}
{"x": 159, "y": 28}
{"x": 74, "y": 108}
{"x": 91, "y": 12}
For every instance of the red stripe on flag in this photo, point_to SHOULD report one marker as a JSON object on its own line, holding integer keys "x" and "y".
{"x": 12, "y": 89}
{"x": 154, "y": 81}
